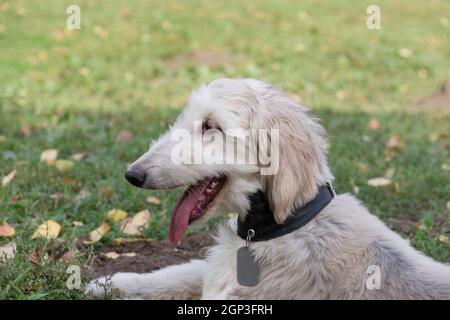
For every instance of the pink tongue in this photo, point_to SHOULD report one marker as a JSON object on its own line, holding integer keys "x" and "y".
{"x": 181, "y": 213}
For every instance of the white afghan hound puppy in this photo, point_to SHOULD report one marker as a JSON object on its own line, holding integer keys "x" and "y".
{"x": 343, "y": 252}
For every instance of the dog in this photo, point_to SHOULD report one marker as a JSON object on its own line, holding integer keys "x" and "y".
{"x": 343, "y": 252}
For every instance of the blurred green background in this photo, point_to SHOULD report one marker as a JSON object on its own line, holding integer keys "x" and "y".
{"x": 107, "y": 89}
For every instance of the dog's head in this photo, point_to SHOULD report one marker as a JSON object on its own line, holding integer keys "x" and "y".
{"x": 233, "y": 138}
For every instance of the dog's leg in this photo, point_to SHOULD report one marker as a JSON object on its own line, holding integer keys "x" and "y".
{"x": 182, "y": 281}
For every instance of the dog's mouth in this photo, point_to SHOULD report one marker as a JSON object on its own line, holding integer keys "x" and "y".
{"x": 193, "y": 205}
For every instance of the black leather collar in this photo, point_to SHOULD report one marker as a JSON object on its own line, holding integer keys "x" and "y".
{"x": 260, "y": 217}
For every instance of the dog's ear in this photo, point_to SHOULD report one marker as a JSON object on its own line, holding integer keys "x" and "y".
{"x": 301, "y": 154}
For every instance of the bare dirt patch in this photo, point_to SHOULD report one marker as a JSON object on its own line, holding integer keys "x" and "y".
{"x": 409, "y": 226}
{"x": 405, "y": 225}
{"x": 438, "y": 100}
{"x": 149, "y": 255}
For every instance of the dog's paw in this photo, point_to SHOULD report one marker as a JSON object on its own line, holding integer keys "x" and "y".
{"x": 119, "y": 286}
{"x": 101, "y": 288}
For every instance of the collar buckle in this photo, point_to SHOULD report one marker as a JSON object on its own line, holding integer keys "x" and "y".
{"x": 331, "y": 189}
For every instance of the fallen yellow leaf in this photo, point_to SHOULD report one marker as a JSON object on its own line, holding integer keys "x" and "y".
{"x": 389, "y": 173}
{"x": 443, "y": 238}
{"x": 117, "y": 215}
{"x": 423, "y": 227}
{"x": 49, "y": 155}
{"x": 8, "y": 178}
{"x": 8, "y": 251}
{"x": 153, "y": 200}
{"x": 448, "y": 205}
{"x": 112, "y": 255}
{"x": 6, "y": 230}
{"x": 77, "y": 223}
{"x": 98, "y": 233}
{"x": 49, "y": 229}
{"x": 79, "y": 156}
{"x": 121, "y": 241}
{"x": 379, "y": 182}
{"x": 129, "y": 254}
{"x": 405, "y": 53}
{"x": 63, "y": 165}
{"x": 132, "y": 226}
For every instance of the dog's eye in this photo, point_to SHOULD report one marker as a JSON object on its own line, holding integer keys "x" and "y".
{"x": 210, "y": 124}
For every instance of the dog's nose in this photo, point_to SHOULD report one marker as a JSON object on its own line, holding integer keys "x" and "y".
{"x": 135, "y": 177}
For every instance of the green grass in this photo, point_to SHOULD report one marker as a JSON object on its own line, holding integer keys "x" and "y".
{"x": 132, "y": 67}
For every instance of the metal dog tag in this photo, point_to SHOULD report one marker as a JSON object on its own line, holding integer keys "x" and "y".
{"x": 247, "y": 266}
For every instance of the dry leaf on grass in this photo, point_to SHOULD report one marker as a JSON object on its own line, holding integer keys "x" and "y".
{"x": 49, "y": 155}
{"x": 56, "y": 196}
{"x": 63, "y": 165}
{"x": 98, "y": 233}
{"x": 395, "y": 143}
{"x": 125, "y": 136}
{"x": 49, "y": 229}
{"x": 153, "y": 200}
{"x": 132, "y": 226}
{"x": 7, "y": 251}
{"x": 129, "y": 254}
{"x": 77, "y": 223}
{"x": 16, "y": 198}
{"x": 444, "y": 238}
{"x": 389, "y": 173}
{"x": 448, "y": 205}
{"x": 69, "y": 256}
{"x": 445, "y": 167}
{"x": 116, "y": 215}
{"x": 120, "y": 241}
{"x": 105, "y": 192}
{"x": 111, "y": 255}
{"x": 68, "y": 181}
{"x": 79, "y": 156}
{"x": 25, "y": 129}
{"x": 6, "y": 230}
{"x": 379, "y": 182}
{"x": 114, "y": 255}
{"x": 36, "y": 255}
{"x": 8, "y": 178}
{"x": 374, "y": 125}
{"x": 83, "y": 194}
{"x": 405, "y": 53}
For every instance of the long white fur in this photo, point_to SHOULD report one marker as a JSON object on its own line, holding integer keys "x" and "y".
{"x": 326, "y": 259}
